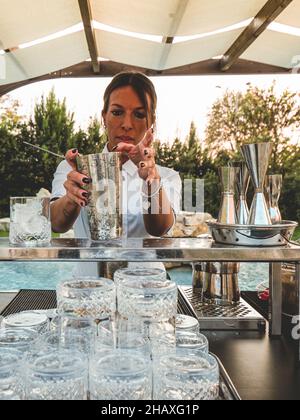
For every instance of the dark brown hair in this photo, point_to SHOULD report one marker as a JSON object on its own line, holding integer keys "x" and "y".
{"x": 141, "y": 84}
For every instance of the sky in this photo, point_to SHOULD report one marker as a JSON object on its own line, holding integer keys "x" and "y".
{"x": 180, "y": 99}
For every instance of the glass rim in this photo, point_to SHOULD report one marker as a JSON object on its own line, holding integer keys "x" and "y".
{"x": 102, "y": 282}
{"x": 138, "y": 286}
{"x": 29, "y": 197}
{"x": 192, "y": 334}
{"x": 78, "y": 364}
{"x": 186, "y": 322}
{"x": 101, "y": 154}
{"x": 101, "y": 366}
{"x": 68, "y": 316}
{"x": 138, "y": 269}
{"x": 28, "y": 331}
{"x": 30, "y": 337}
{"x": 155, "y": 274}
{"x": 8, "y": 320}
{"x": 182, "y": 354}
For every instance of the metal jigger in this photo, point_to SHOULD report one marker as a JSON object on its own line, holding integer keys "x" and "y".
{"x": 227, "y": 214}
{"x": 257, "y": 158}
{"x": 273, "y": 186}
{"x": 242, "y": 185}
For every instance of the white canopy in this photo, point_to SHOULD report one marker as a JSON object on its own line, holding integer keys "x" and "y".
{"x": 38, "y": 37}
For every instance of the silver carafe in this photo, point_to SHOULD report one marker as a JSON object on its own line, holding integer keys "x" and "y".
{"x": 257, "y": 158}
{"x": 217, "y": 283}
{"x": 104, "y": 210}
{"x": 227, "y": 213}
{"x": 242, "y": 185}
{"x": 273, "y": 187}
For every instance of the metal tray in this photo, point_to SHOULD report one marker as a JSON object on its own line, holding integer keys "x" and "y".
{"x": 239, "y": 317}
{"x": 227, "y": 391}
{"x": 253, "y": 235}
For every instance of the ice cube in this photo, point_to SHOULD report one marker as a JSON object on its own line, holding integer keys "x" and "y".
{"x": 35, "y": 224}
{"x": 24, "y": 212}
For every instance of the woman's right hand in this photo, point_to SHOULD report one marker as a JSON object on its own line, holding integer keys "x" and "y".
{"x": 76, "y": 181}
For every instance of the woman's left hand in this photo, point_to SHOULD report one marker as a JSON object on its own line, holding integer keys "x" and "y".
{"x": 143, "y": 156}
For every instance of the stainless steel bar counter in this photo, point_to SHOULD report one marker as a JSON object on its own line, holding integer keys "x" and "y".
{"x": 165, "y": 250}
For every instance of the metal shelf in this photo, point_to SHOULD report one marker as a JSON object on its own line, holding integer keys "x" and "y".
{"x": 136, "y": 250}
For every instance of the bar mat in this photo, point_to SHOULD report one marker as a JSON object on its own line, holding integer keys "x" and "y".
{"x": 29, "y": 300}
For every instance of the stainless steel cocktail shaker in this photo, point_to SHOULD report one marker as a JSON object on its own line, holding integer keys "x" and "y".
{"x": 273, "y": 187}
{"x": 227, "y": 213}
{"x": 105, "y": 202}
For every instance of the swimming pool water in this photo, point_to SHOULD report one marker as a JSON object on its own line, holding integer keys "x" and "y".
{"x": 33, "y": 275}
{"x": 37, "y": 275}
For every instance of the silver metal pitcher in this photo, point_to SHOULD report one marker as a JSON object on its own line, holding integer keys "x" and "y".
{"x": 273, "y": 187}
{"x": 217, "y": 282}
{"x": 227, "y": 213}
{"x": 257, "y": 158}
{"x": 242, "y": 185}
{"x": 105, "y": 202}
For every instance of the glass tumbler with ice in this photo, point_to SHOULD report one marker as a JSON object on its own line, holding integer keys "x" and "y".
{"x": 30, "y": 221}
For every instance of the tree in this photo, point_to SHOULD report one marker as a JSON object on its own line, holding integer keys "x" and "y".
{"x": 90, "y": 141}
{"x": 191, "y": 158}
{"x": 52, "y": 128}
{"x": 185, "y": 158}
{"x": 255, "y": 116}
{"x": 11, "y": 170}
{"x": 9, "y": 112}
{"x": 290, "y": 197}
{"x": 53, "y": 124}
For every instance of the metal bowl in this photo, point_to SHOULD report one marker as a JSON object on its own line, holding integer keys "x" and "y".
{"x": 278, "y": 234}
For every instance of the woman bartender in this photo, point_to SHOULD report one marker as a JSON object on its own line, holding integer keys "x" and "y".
{"x": 152, "y": 194}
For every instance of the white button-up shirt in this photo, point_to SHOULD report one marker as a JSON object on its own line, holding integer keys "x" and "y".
{"x": 133, "y": 221}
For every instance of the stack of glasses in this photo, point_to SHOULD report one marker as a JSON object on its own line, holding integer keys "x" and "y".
{"x": 152, "y": 303}
{"x": 90, "y": 350}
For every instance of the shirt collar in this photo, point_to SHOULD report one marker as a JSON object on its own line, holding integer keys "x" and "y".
{"x": 129, "y": 166}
